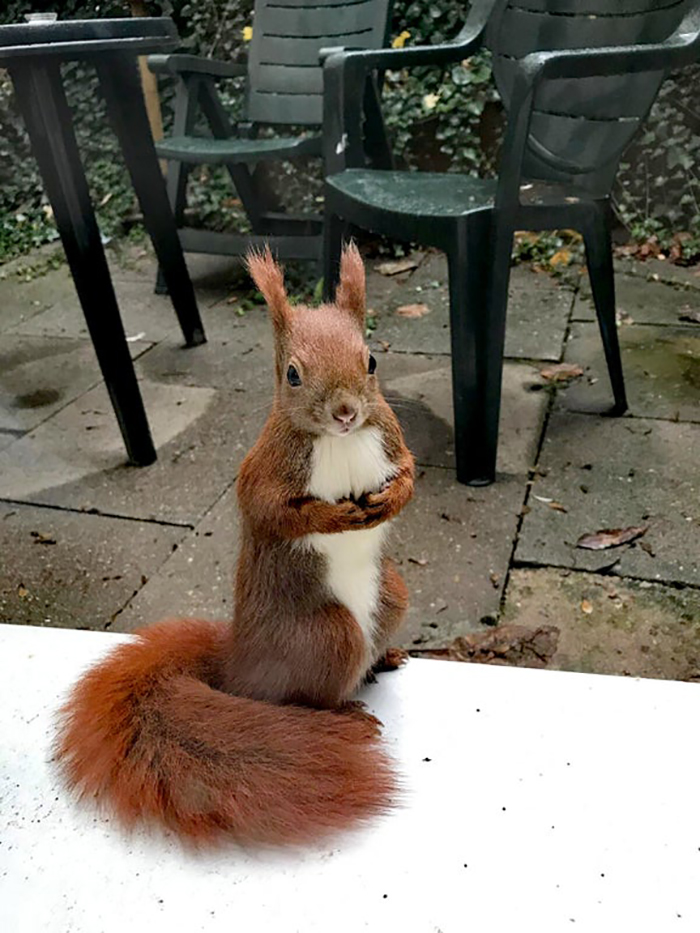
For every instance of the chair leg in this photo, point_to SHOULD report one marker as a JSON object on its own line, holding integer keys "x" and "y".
{"x": 41, "y": 99}
{"x": 477, "y": 331}
{"x": 596, "y": 234}
{"x": 121, "y": 86}
{"x": 334, "y": 231}
{"x": 176, "y": 186}
{"x": 185, "y": 107}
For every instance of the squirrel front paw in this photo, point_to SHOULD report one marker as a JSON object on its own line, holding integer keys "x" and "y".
{"x": 333, "y": 517}
{"x": 388, "y": 501}
{"x": 346, "y": 515}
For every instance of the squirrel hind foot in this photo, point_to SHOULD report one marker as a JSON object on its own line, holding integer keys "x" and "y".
{"x": 391, "y": 660}
{"x": 359, "y": 712}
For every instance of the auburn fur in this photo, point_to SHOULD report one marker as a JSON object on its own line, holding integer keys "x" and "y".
{"x": 247, "y": 730}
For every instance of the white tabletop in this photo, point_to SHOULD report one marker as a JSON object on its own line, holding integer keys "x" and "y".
{"x": 535, "y": 800}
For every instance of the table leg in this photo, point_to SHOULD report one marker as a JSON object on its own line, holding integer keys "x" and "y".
{"x": 121, "y": 87}
{"x": 42, "y": 102}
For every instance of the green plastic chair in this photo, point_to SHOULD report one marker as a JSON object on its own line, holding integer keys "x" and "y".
{"x": 284, "y": 89}
{"x": 577, "y": 78}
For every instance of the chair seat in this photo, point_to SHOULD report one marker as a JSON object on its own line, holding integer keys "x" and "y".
{"x": 415, "y": 194}
{"x": 204, "y": 149}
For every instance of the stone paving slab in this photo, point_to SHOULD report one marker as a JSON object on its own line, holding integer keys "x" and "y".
{"x": 610, "y": 626}
{"x": 657, "y": 270}
{"x": 453, "y": 544}
{"x": 40, "y": 375}
{"x": 617, "y": 473}
{"x": 197, "y": 579}
{"x": 640, "y": 301}
{"x": 132, "y": 262}
{"x": 225, "y": 320}
{"x": 7, "y": 438}
{"x": 77, "y": 460}
{"x": 24, "y": 295}
{"x": 145, "y": 316}
{"x": 238, "y": 355}
{"x": 661, "y": 366}
{"x": 422, "y": 398}
{"x": 63, "y": 568}
{"x": 537, "y": 316}
{"x": 217, "y": 277}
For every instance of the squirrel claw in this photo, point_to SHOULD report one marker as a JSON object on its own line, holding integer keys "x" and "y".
{"x": 358, "y": 710}
{"x": 392, "y": 660}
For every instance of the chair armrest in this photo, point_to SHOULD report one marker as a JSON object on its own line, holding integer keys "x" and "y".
{"x": 345, "y": 73}
{"x": 195, "y": 64}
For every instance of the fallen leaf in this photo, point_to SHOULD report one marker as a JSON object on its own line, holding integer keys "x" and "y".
{"x": 561, "y": 258}
{"x": 586, "y": 606}
{"x": 610, "y": 537}
{"x": 412, "y": 310}
{"x": 692, "y": 316}
{"x": 502, "y": 644}
{"x": 399, "y": 265}
{"x": 22, "y": 591}
{"x": 557, "y": 506}
{"x": 40, "y": 538}
{"x": 647, "y": 548}
{"x": 560, "y": 372}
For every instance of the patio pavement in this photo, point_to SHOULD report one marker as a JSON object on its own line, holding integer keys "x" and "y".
{"x": 494, "y": 573}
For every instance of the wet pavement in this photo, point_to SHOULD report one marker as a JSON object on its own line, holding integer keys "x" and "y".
{"x": 88, "y": 541}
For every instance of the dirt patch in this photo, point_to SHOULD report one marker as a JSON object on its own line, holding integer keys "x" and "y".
{"x": 608, "y": 625}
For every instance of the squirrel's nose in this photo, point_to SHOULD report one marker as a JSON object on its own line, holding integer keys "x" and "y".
{"x": 345, "y": 414}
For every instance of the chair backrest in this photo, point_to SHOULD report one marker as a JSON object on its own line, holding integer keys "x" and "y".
{"x": 580, "y": 127}
{"x": 285, "y": 78}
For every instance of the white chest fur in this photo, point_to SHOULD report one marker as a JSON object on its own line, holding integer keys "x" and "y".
{"x": 341, "y": 467}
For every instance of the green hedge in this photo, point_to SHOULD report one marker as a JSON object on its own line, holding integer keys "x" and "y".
{"x": 442, "y": 120}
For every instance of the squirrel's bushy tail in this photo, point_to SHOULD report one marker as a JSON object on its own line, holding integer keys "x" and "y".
{"x": 145, "y": 734}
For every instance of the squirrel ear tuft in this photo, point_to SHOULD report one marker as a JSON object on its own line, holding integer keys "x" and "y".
{"x": 350, "y": 293}
{"x": 268, "y": 276}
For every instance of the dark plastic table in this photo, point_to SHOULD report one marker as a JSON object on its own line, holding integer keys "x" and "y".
{"x": 33, "y": 54}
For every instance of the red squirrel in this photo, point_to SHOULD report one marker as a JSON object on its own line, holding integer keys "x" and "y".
{"x": 248, "y": 731}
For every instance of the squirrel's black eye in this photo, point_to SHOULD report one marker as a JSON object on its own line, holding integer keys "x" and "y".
{"x": 293, "y": 377}
{"x": 372, "y": 364}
